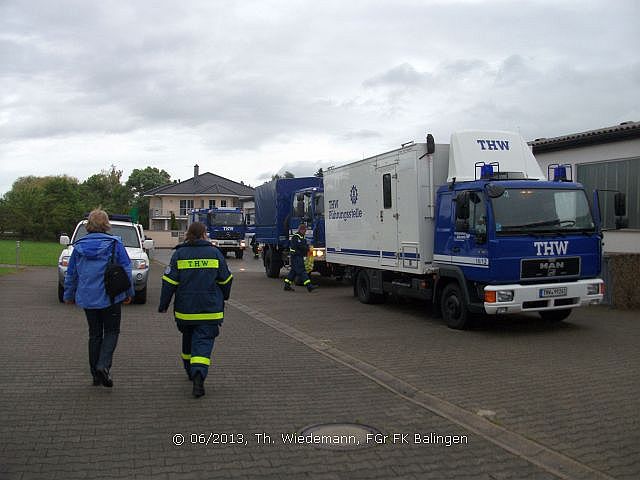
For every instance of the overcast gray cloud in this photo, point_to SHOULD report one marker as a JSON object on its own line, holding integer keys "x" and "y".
{"x": 248, "y": 89}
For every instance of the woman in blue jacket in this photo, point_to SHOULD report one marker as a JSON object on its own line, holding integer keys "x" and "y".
{"x": 84, "y": 286}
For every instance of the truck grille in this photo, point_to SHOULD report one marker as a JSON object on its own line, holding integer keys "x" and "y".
{"x": 225, "y": 236}
{"x": 550, "y": 267}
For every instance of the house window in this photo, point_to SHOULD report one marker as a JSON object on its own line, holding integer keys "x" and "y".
{"x": 185, "y": 206}
{"x": 622, "y": 175}
{"x": 223, "y": 203}
{"x": 212, "y": 204}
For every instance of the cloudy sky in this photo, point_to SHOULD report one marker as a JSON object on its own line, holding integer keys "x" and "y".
{"x": 250, "y": 88}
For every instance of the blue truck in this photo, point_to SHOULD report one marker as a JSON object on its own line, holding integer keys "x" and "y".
{"x": 281, "y": 205}
{"x": 226, "y": 227}
{"x": 473, "y": 226}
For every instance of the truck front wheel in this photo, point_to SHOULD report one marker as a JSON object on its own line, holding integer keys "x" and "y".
{"x": 454, "y": 311}
{"x": 272, "y": 263}
{"x": 555, "y": 315}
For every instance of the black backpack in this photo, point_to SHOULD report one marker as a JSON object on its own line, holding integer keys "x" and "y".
{"x": 116, "y": 279}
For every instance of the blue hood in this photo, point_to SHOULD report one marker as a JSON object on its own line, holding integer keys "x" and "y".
{"x": 95, "y": 245}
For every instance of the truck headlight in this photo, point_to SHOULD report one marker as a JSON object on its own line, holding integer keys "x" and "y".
{"x": 243, "y": 243}
{"x": 140, "y": 264}
{"x": 318, "y": 252}
{"x": 594, "y": 288}
{"x": 496, "y": 296}
{"x": 504, "y": 295}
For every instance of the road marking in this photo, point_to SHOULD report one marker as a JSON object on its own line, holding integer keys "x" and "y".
{"x": 553, "y": 462}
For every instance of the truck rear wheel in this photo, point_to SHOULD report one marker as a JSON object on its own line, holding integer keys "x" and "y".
{"x": 363, "y": 290}
{"x": 453, "y": 309}
{"x": 272, "y": 264}
{"x": 555, "y": 315}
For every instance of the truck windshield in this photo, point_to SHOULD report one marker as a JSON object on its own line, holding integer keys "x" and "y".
{"x": 538, "y": 210}
{"x": 127, "y": 233}
{"x": 226, "y": 219}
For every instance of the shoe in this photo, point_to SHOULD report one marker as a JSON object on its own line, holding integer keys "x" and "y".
{"x": 198, "y": 385}
{"x": 311, "y": 287}
{"x": 103, "y": 375}
{"x": 288, "y": 287}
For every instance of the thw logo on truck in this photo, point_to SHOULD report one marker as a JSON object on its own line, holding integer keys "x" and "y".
{"x": 493, "y": 144}
{"x": 551, "y": 248}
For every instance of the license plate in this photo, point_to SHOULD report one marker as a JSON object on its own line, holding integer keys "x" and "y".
{"x": 553, "y": 292}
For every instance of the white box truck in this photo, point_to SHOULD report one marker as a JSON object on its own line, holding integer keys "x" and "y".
{"x": 473, "y": 226}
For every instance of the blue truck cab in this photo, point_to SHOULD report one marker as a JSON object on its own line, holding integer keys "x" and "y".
{"x": 226, "y": 227}
{"x": 518, "y": 245}
{"x": 281, "y": 205}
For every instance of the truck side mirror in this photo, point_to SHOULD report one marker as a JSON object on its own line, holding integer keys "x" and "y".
{"x": 620, "y": 204}
{"x": 462, "y": 206}
{"x": 431, "y": 144}
{"x": 64, "y": 240}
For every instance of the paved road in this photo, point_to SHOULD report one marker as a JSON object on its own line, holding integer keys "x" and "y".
{"x": 287, "y": 361}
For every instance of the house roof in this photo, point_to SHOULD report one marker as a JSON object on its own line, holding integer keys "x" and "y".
{"x": 616, "y": 133}
{"x": 204, "y": 184}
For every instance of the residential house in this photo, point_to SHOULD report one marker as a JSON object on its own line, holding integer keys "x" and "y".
{"x": 175, "y": 200}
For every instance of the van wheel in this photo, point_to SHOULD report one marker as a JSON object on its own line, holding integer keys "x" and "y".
{"x": 60, "y": 293}
{"x": 555, "y": 315}
{"x": 141, "y": 296}
{"x": 453, "y": 309}
{"x": 272, "y": 264}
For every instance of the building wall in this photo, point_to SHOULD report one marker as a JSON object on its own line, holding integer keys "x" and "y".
{"x": 618, "y": 241}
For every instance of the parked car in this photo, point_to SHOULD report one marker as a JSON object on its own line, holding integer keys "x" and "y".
{"x": 135, "y": 244}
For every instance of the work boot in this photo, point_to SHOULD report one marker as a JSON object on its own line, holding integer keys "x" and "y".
{"x": 311, "y": 287}
{"x": 103, "y": 375}
{"x": 288, "y": 287}
{"x": 198, "y": 385}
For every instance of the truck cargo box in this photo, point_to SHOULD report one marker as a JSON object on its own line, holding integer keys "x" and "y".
{"x": 379, "y": 212}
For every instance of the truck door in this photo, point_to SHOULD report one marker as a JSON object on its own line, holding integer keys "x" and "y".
{"x": 469, "y": 248}
{"x": 388, "y": 216}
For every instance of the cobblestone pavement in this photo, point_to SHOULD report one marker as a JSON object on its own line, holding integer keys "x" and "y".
{"x": 570, "y": 387}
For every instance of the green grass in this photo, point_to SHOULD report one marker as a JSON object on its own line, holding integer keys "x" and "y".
{"x": 7, "y": 271}
{"x": 31, "y": 253}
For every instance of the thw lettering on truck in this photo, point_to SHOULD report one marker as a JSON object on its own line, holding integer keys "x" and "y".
{"x": 551, "y": 248}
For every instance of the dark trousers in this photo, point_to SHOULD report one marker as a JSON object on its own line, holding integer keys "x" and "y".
{"x": 104, "y": 328}
{"x": 298, "y": 270}
{"x": 197, "y": 345}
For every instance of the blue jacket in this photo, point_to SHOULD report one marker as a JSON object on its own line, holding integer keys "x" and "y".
{"x": 201, "y": 281}
{"x": 84, "y": 281}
